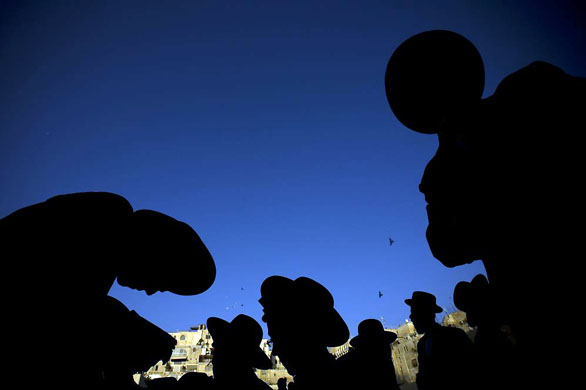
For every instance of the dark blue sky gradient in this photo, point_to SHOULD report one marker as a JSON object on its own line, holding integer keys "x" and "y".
{"x": 264, "y": 125}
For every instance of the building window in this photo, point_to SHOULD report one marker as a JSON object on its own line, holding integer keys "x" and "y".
{"x": 414, "y": 362}
{"x": 182, "y": 337}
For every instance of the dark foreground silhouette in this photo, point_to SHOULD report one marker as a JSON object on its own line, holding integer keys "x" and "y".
{"x": 369, "y": 365}
{"x": 63, "y": 255}
{"x": 442, "y": 352}
{"x": 237, "y": 353}
{"x": 302, "y": 323}
{"x": 494, "y": 349}
{"x": 501, "y": 186}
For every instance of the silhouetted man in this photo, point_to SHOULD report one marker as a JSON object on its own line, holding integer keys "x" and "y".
{"x": 237, "y": 352}
{"x": 369, "y": 365}
{"x": 495, "y": 355}
{"x": 63, "y": 256}
{"x": 302, "y": 324}
{"x": 501, "y": 186}
{"x": 444, "y": 354}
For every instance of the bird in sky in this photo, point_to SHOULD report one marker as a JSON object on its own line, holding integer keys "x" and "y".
{"x": 380, "y": 294}
{"x": 391, "y": 241}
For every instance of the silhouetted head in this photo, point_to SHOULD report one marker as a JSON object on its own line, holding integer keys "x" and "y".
{"x": 300, "y": 316}
{"x": 431, "y": 76}
{"x": 499, "y": 170}
{"x": 237, "y": 343}
{"x": 372, "y": 335}
{"x": 423, "y": 310}
{"x": 165, "y": 255}
{"x": 146, "y": 249}
{"x": 473, "y": 298}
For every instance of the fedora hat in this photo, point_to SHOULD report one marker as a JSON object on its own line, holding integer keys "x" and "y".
{"x": 432, "y": 73}
{"x": 371, "y": 332}
{"x": 242, "y": 335}
{"x": 307, "y": 302}
{"x": 423, "y": 300}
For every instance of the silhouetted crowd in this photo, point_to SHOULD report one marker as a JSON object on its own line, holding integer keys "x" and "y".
{"x": 502, "y": 188}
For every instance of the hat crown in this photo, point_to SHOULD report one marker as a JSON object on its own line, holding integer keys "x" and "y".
{"x": 370, "y": 327}
{"x": 423, "y": 300}
{"x": 428, "y": 74}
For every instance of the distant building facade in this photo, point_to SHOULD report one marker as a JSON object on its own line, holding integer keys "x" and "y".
{"x": 404, "y": 349}
{"x": 194, "y": 350}
{"x": 193, "y": 353}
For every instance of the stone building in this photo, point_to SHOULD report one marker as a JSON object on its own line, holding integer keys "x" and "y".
{"x": 404, "y": 349}
{"x": 193, "y": 353}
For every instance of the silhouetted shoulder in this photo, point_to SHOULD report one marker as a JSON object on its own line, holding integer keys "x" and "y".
{"x": 56, "y": 211}
{"x": 540, "y": 78}
{"x": 456, "y": 334}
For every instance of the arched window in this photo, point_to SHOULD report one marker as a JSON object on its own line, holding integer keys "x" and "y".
{"x": 182, "y": 338}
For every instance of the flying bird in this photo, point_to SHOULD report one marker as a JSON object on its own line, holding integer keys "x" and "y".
{"x": 380, "y": 294}
{"x": 391, "y": 241}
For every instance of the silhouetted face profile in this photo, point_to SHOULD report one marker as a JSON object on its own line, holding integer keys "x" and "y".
{"x": 423, "y": 310}
{"x": 499, "y": 173}
{"x": 301, "y": 320}
{"x": 432, "y": 78}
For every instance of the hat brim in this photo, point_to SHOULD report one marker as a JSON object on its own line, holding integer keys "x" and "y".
{"x": 156, "y": 237}
{"x": 432, "y": 72}
{"x": 436, "y": 309}
{"x": 386, "y": 337}
{"x": 336, "y": 331}
{"x": 217, "y": 327}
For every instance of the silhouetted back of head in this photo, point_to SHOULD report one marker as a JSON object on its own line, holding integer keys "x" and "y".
{"x": 238, "y": 342}
{"x": 372, "y": 335}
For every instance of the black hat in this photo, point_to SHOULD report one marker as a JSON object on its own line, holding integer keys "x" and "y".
{"x": 308, "y": 302}
{"x": 423, "y": 300}
{"x": 432, "y": 73}
{"x": 244, "y": 335}
{"x": 371, "y": 332}
{"x": 473, "y": 293}
{"x": 156, "y": 238}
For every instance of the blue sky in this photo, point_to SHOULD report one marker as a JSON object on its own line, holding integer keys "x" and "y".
{"x": 264, "y": 125}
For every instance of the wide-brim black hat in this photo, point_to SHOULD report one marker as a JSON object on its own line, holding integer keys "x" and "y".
{"x": 244, "y": 335}
{"x": 432, "y": 74}
{"x": 309, "y": 303}
{"x": 169, "y": 253}
{"x": 423, "y": 300}
{"x": 136, "y": 246}
{"x": 371, "y": 332}
{"x": 470, "y": 294}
